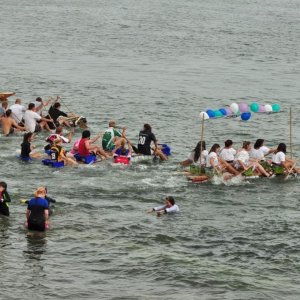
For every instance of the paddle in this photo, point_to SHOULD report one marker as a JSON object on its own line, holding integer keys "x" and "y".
{"x": 290, "y": 171}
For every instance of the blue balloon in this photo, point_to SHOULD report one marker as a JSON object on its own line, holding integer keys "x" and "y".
{"x": 211, "y": 113}
{"x": 223, "y": 111}
{"x": 246, "y": 116}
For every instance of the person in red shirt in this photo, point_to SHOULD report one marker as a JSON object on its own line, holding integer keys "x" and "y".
{"x": 86, "y": 146}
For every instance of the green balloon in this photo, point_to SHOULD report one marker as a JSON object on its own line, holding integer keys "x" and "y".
{"x": 276, "y": 107}
{"x": 254, "y": 107}
{"x": 218, "y": 114}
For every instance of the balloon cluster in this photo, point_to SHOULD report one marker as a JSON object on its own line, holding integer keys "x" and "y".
{"x": 242, "y": 109}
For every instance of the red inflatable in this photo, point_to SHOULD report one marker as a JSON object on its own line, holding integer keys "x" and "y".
{"x": 121, "y": 160}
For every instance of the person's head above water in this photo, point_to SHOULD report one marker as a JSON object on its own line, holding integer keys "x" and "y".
{"x": 170, "y": 201}
{"x": 40, "y": 192}
{"x": 86, "y": 134}
{"x": 112, "y": 123}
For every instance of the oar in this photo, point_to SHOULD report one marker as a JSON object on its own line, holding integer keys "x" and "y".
{"x": 290, "y": 171}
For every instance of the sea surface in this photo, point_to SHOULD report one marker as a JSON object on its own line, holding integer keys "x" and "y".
{"x": 161, "y": 62}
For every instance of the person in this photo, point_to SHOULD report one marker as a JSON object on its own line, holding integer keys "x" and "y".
{"x": 58, "y": 134}
{"x": 146, "y": 136}
{"x": 39, "y": 108}
{"x": 3, "y": 108}
{"x": 169, "y": 207}
{"x": 58, "y": 153}
{"x": 194, "y": 157}
{"x": 213, "y": 162}
{"x": 49, "y": 200}
{"x": 259, "y": 150}
{"x": 228, "y": 153}
{"x": 112, "y": 137}
{"x": 279, "y": 160}
{"x": 247, "y": 166}
{"x": 74, "y": 150}
{"x": 55, "y": 112}
{"x": 27, "y": 152}
{"x": 4, "y": 199}
{"x": 31, "y": 119}
{"x": 9, "y": 125}
{"x": 123, "y": 154}
{"x": 86, "y": 146}
{"x": 37, "y": 212}
{"x": 17, "y": 111}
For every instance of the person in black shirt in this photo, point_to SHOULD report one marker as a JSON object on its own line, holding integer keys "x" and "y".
{"x": 55, "y": 112}
{"x": 4, "y": 199}
{"x": 26, "y": 147}
{"x": 144, "y": 144}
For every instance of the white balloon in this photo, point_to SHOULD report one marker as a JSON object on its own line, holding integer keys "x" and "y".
{"x": 234, "y": 107}
{"x": 268, "y": 108}
{"x": 203, "y": 115}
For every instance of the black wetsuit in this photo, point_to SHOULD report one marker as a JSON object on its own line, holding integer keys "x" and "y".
{"x": 4, "y": 210}
{"x": 25, "y": 149}
{"x": 37, "y": 207}
{"x": 145, "y": 139}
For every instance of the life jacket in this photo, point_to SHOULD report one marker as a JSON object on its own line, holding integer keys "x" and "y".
{"x": 56, "y": 153}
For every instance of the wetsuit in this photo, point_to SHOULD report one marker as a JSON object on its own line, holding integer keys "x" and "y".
{"x": 145, "y": 139}
{"x": 25, "y": 149}
{"x": 4, "y": 200}
{"x": 37, "y": 207}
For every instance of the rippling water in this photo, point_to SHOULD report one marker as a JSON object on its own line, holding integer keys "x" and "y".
{"x": 160, "y": 62}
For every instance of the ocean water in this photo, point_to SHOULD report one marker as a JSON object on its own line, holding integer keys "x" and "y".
{"x": 161, "y": 62}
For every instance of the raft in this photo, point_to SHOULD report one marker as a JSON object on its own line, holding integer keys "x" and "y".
{"x": 53, "y": 164}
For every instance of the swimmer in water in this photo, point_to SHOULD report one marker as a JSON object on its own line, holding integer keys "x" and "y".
{"x": 169, "y": 207}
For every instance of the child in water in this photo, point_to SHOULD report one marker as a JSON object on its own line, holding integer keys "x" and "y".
{"x": 4, "y": 199}
{"x": 169, "y": 207}
{"x": 27, "y": 149}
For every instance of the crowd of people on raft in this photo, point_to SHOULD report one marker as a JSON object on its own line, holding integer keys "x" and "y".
{"x": 248, "y": 160}
{"x": 16, "y": 118}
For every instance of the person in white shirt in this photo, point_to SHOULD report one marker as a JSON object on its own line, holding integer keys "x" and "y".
{"x": 17, "y": 111}
{"x": 244, "y": 163}
{"x": 195, "y": 157}
{"x": 31, "y": 119}
{"x": 259, "y": 150}
{"x": 218, "y": 164}
{"x": 169, "y": 207}
{"x": 228, "y": 153}
{"x": 279, "y": 159}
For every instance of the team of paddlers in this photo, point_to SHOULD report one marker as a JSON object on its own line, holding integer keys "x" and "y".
{"x": 226, "y": 162}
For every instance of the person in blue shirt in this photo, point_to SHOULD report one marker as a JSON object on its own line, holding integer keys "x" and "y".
{"x": 37, "y": 213}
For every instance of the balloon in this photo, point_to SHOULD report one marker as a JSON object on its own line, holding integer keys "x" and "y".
{"x": 218, "y": 114}
{"x": 211, "y": 113}
{"x": 261, "y": 108}
{"x": 254, "y": 107}
{"x": 276, "y": 107}
{"x": 228, "y": 111}
{"x": 268, "y": 108}
{"x": 243, "y": 107}
{"x": 203, "y": 115}
{"x": 245, "y": 116}
{"x": 234, "y": 107}
{"x": 223, "y": 111}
